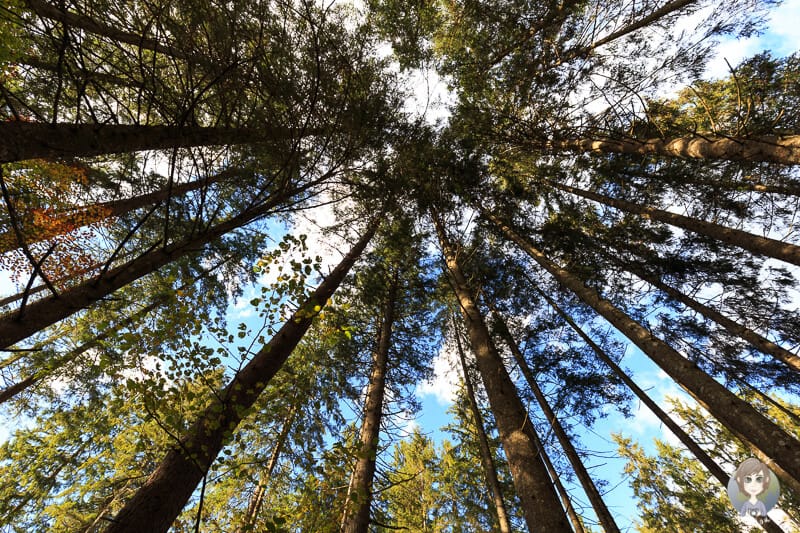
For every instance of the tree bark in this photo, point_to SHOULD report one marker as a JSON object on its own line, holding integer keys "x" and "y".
{"x": 80, "y": 216}
{"x": 600, "y": 507}
{"x": 699, "y": 453}
{"x": 257, "y": 498}
{"x": 159, "y": 501}
{"x": 12, "y": 390}
{"x": 486, "y": 452}
{"x": 784, "y": 149}
{"x": 47, "y": 311}
{"x": 747, "y": 241}
{"x": 758, "y": 341}
{"x": 538, "y": 499}
{"x": 364, "y": 471}
{"x": 35, "y": 140}
{"x": 733, "y": 412}
{"x": 46, "y": 10}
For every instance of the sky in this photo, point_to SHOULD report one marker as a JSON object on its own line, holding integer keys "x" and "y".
{"x": 430, "y": 98}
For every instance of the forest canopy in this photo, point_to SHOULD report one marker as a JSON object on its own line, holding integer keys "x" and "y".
{"x": 233, "y": 250}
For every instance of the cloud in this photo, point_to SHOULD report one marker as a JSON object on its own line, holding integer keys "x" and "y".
{"x": 446, "y": 377}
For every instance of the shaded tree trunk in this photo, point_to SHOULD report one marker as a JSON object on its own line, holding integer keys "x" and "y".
{"x": 34, "y": 140}
{"x": 733, "y": 412}
{"x": 360, "y": 490}
{"x": 12, "y": 390}
{"x": 783, "y": 149}
{"x": 538, "y": 499}
{"x": 699, "y": 453}
{"x": 486, "y": 452}
{"x": 257, "y": 498}
{"x": 90, "y": 214}
{"x": 600, "y": 507}
{"x": 747, "y": 241}
{"x": 159, "y": 501}
{"x": 47, "y": 311}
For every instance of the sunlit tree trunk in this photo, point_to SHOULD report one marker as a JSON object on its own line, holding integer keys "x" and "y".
{"x": 159, "y": 501}
{"x": 599, "y": 506}
{"x": 747, "y": 241}
{"x": 538, "y": 499}
{"x": 736, "y": 414}
{"x": 360, "y": 491}
{"x": 777, "y": 149}
{"x": 257, "y": 498}
{"x": 483, "y": 442}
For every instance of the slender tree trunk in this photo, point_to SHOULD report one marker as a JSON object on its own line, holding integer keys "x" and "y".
{"x": 61, "y": 361}
{"x": 734, "y": 413}
{"x": 91, "y": 214}
{"x": 46, "y": 10}
{"x": 761, "y": 343}
{"x": 537, "y": 496}
{"x": 666, "y": 9}
{"x": 359, "y": 501}
{"x": 487, "y": 459}
{"x": 600, "y": 507}
{"x": 32, "y": 140}
{"x": 747, "y": 241}
{"x": 783, "y": 149}
{"x": 700, "y": 454}
{"x": 257, "y": 498}
{"x": 47, "y": 311}
{"x": 159, "y": 501}
{"x": 575, "y": 520}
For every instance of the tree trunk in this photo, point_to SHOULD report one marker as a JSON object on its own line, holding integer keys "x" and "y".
{"x": 761, "y": 343}
{"x": 700, "y": 454}
{"x": 90, "y": 25}
{"x": 487, "y": 459}
{"x": 736, "y": 414}
{"x": 538, "y": 499}
{"x": 159, "y": 501}
{"x": 360, "y": 489}
{"x": 747, "y": 241}
{"x": 600, "y": 508}
{"x": 12, "y": 390}
{"x": 783, "y": 149}
{"x": 47, "y": 311}
{"x": 257, "y": 498}
{"x": 90, "y": 214}
{"x": 34, "y": 140}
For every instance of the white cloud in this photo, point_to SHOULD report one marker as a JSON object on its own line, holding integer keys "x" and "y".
{"x": 781, "y": 38}
{"x": 446, "y": 376}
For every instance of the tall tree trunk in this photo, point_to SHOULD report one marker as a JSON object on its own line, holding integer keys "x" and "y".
{"x": 61, "y": 361}
{"x": 91, "y": 214}
{"x": 47, "y": 311}
{"x": 159, "y": 501}
{"x": 761, "y": 343}
{"x": 538, "y": 499}
{"x": 600, "y": 507}
{"x": 783, "y": 149}
{"x": 32, "y": 140}
{"x": 360, "y": 490}
{"x": 700, "y": 454}
{"x": 257, "y": 498}
{"x": 747, "y": 241}
{"x": 736, "y": 414}
{"x": 88, "y": 24}
{"x": 487, "y": 459}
